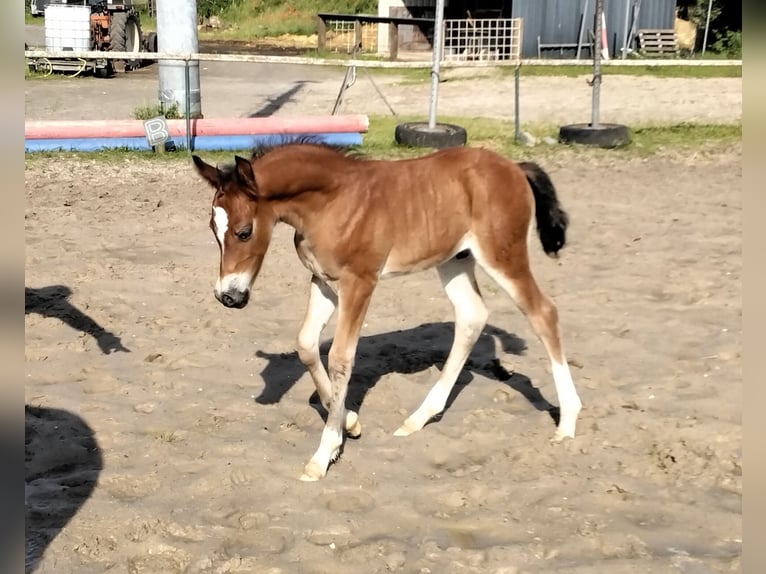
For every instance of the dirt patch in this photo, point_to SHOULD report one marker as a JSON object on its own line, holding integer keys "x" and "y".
{"x": 166, "y": 433}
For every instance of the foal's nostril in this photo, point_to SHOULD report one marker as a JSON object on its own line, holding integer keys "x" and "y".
{"x": 234, "y": 299}
{"x": 227, "y": 300}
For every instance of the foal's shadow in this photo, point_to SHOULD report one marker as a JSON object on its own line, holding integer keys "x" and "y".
{"x": 406, "y": 352}
{"x": 53, "y": 301}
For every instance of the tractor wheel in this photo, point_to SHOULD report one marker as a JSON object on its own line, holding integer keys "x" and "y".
{"x": 125, "y": 33}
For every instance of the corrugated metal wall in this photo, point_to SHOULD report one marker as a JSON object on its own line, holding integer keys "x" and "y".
{"x": 558, "y": 22}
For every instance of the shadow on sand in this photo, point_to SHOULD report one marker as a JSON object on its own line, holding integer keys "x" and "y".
{"x": 62, "y": 461}
{"x": 53, "y": 301}
{"x": 406, "y": 352}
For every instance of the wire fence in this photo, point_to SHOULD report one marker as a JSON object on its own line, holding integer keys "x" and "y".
{"x": 352, "y": 62}
{"x": 485, "y": 39}
{"x": 343, "y": 36}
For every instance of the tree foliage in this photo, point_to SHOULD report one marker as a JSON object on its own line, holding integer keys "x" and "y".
{"x": 209, "y": 8}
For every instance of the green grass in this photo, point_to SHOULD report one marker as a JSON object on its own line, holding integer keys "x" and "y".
{"x": 253, "y": 19}
{"x": 35, "y": 75}
{"x": 148, "y": 111}
{"x": 33, "y": 20}
{"x": 499, "y": 135}
{"x": 148, "y": 23}
{"x": 679, "y": 71}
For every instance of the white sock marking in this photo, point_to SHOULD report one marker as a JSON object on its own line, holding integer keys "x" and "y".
{"x": 569, "y": 401}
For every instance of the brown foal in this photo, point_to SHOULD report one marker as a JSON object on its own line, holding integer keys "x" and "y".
{"x": 360, "y": 220}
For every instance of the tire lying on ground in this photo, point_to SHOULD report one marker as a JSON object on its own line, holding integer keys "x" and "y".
{"x": 418, "y": 134}
{"x": 602, "y": 135}
{"x": 125, "y": 33}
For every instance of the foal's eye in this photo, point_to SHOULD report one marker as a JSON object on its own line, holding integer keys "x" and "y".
{"x": 244, "y": 233}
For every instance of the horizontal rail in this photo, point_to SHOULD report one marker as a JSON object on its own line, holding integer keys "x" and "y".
{"x": 301, "y": 60}
{"x": 375, "y": 19}
{"x": 53, "y": 129}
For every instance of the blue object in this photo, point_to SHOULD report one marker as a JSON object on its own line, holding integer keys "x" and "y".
{"x": 202, "y": 143}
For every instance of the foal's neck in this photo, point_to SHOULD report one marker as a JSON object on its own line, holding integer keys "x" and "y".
{"x": 301, "y": 183}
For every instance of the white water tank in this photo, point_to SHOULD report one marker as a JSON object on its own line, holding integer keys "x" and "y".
{"x": 67, "y": 27}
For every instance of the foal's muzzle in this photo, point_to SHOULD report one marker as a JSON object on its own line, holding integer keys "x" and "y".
{"x": 233, "y": 299}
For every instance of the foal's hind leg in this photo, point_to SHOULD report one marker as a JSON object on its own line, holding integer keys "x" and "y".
{"x": 457, "y": 276}
{"x": 515, "y": 277}
{"x": 322, "y": 304}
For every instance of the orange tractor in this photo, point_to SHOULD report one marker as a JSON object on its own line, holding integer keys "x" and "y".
{"x": 92, "y": 25}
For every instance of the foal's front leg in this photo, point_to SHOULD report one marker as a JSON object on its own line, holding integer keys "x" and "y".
{"x": 322, "y": 304}
{"x": 355, "y": 293}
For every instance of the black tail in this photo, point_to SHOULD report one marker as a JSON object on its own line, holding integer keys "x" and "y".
{"x": 552, "y": 220}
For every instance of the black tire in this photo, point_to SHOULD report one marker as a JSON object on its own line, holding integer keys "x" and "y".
{"x": 151, "y": 42}
{"x": 418, "y": 134}
{"x": 150, "y": 45}
{"x": 105, "y": 72}
{"x": 125, "y": 34}
{"x": 603, "y": 135}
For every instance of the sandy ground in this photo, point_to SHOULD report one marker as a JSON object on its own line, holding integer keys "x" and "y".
{"x": 165, "y": 433}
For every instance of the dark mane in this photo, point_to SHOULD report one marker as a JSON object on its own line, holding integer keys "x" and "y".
{"x": 228, "y": 170}
{"x": 281, "y": 141}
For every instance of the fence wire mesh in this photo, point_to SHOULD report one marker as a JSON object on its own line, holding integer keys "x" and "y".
{"x": 485, "y": 39}
{"x": 343, "y": 36}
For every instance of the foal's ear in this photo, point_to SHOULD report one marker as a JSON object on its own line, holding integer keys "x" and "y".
{"x": 245, "y": 173}
{"x": 210, "y": 173}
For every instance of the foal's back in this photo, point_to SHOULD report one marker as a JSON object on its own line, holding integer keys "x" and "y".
{"x": 433, "y": 206}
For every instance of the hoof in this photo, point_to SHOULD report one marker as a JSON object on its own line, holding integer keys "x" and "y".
{"x": 404, "y": 430}
{"x": 353, "y": 426}
{"x": 312, "y": 472}
{"x": 560, "y": 435}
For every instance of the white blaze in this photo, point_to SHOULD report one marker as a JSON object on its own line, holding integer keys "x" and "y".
{"x": 221, "y": 221}
{"x": 234, "y": 281}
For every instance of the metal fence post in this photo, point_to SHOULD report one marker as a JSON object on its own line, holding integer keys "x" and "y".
{"x": 187, "y": 105}
{"x": 516, "y": 98}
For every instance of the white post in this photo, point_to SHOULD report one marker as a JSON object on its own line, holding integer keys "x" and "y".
{"x": 597, "y": 28}
{"x": 625, "y": 31}
{"x": 707, "y": 25}
{"x": 177, "y": 33}
{"x": 436, "y": 60}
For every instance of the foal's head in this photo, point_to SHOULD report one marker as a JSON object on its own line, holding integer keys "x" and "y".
{"x": 240, "y": 227}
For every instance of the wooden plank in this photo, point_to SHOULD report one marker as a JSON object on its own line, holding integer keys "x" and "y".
{"x": 653, "y": 42}
{"x": 374, "y": 19}
{"x": 393, "y": 41}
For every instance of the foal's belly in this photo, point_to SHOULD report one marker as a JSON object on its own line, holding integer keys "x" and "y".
{"x": 414, "y": 259}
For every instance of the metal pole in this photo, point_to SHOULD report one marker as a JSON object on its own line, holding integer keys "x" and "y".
{"x": 187, "y": 107}
{"x": 597, "y": 64}
{"x": 582, "y": 28}
{"x": 516, "y": 121}
{"x": 437, "y": 53}
{"x": 177, "y": 33}
{"x": 707, "y": 25}
{"x": 625, "y": 35}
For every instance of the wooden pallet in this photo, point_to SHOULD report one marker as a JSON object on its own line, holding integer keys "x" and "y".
{"x": 658, "y": 42}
